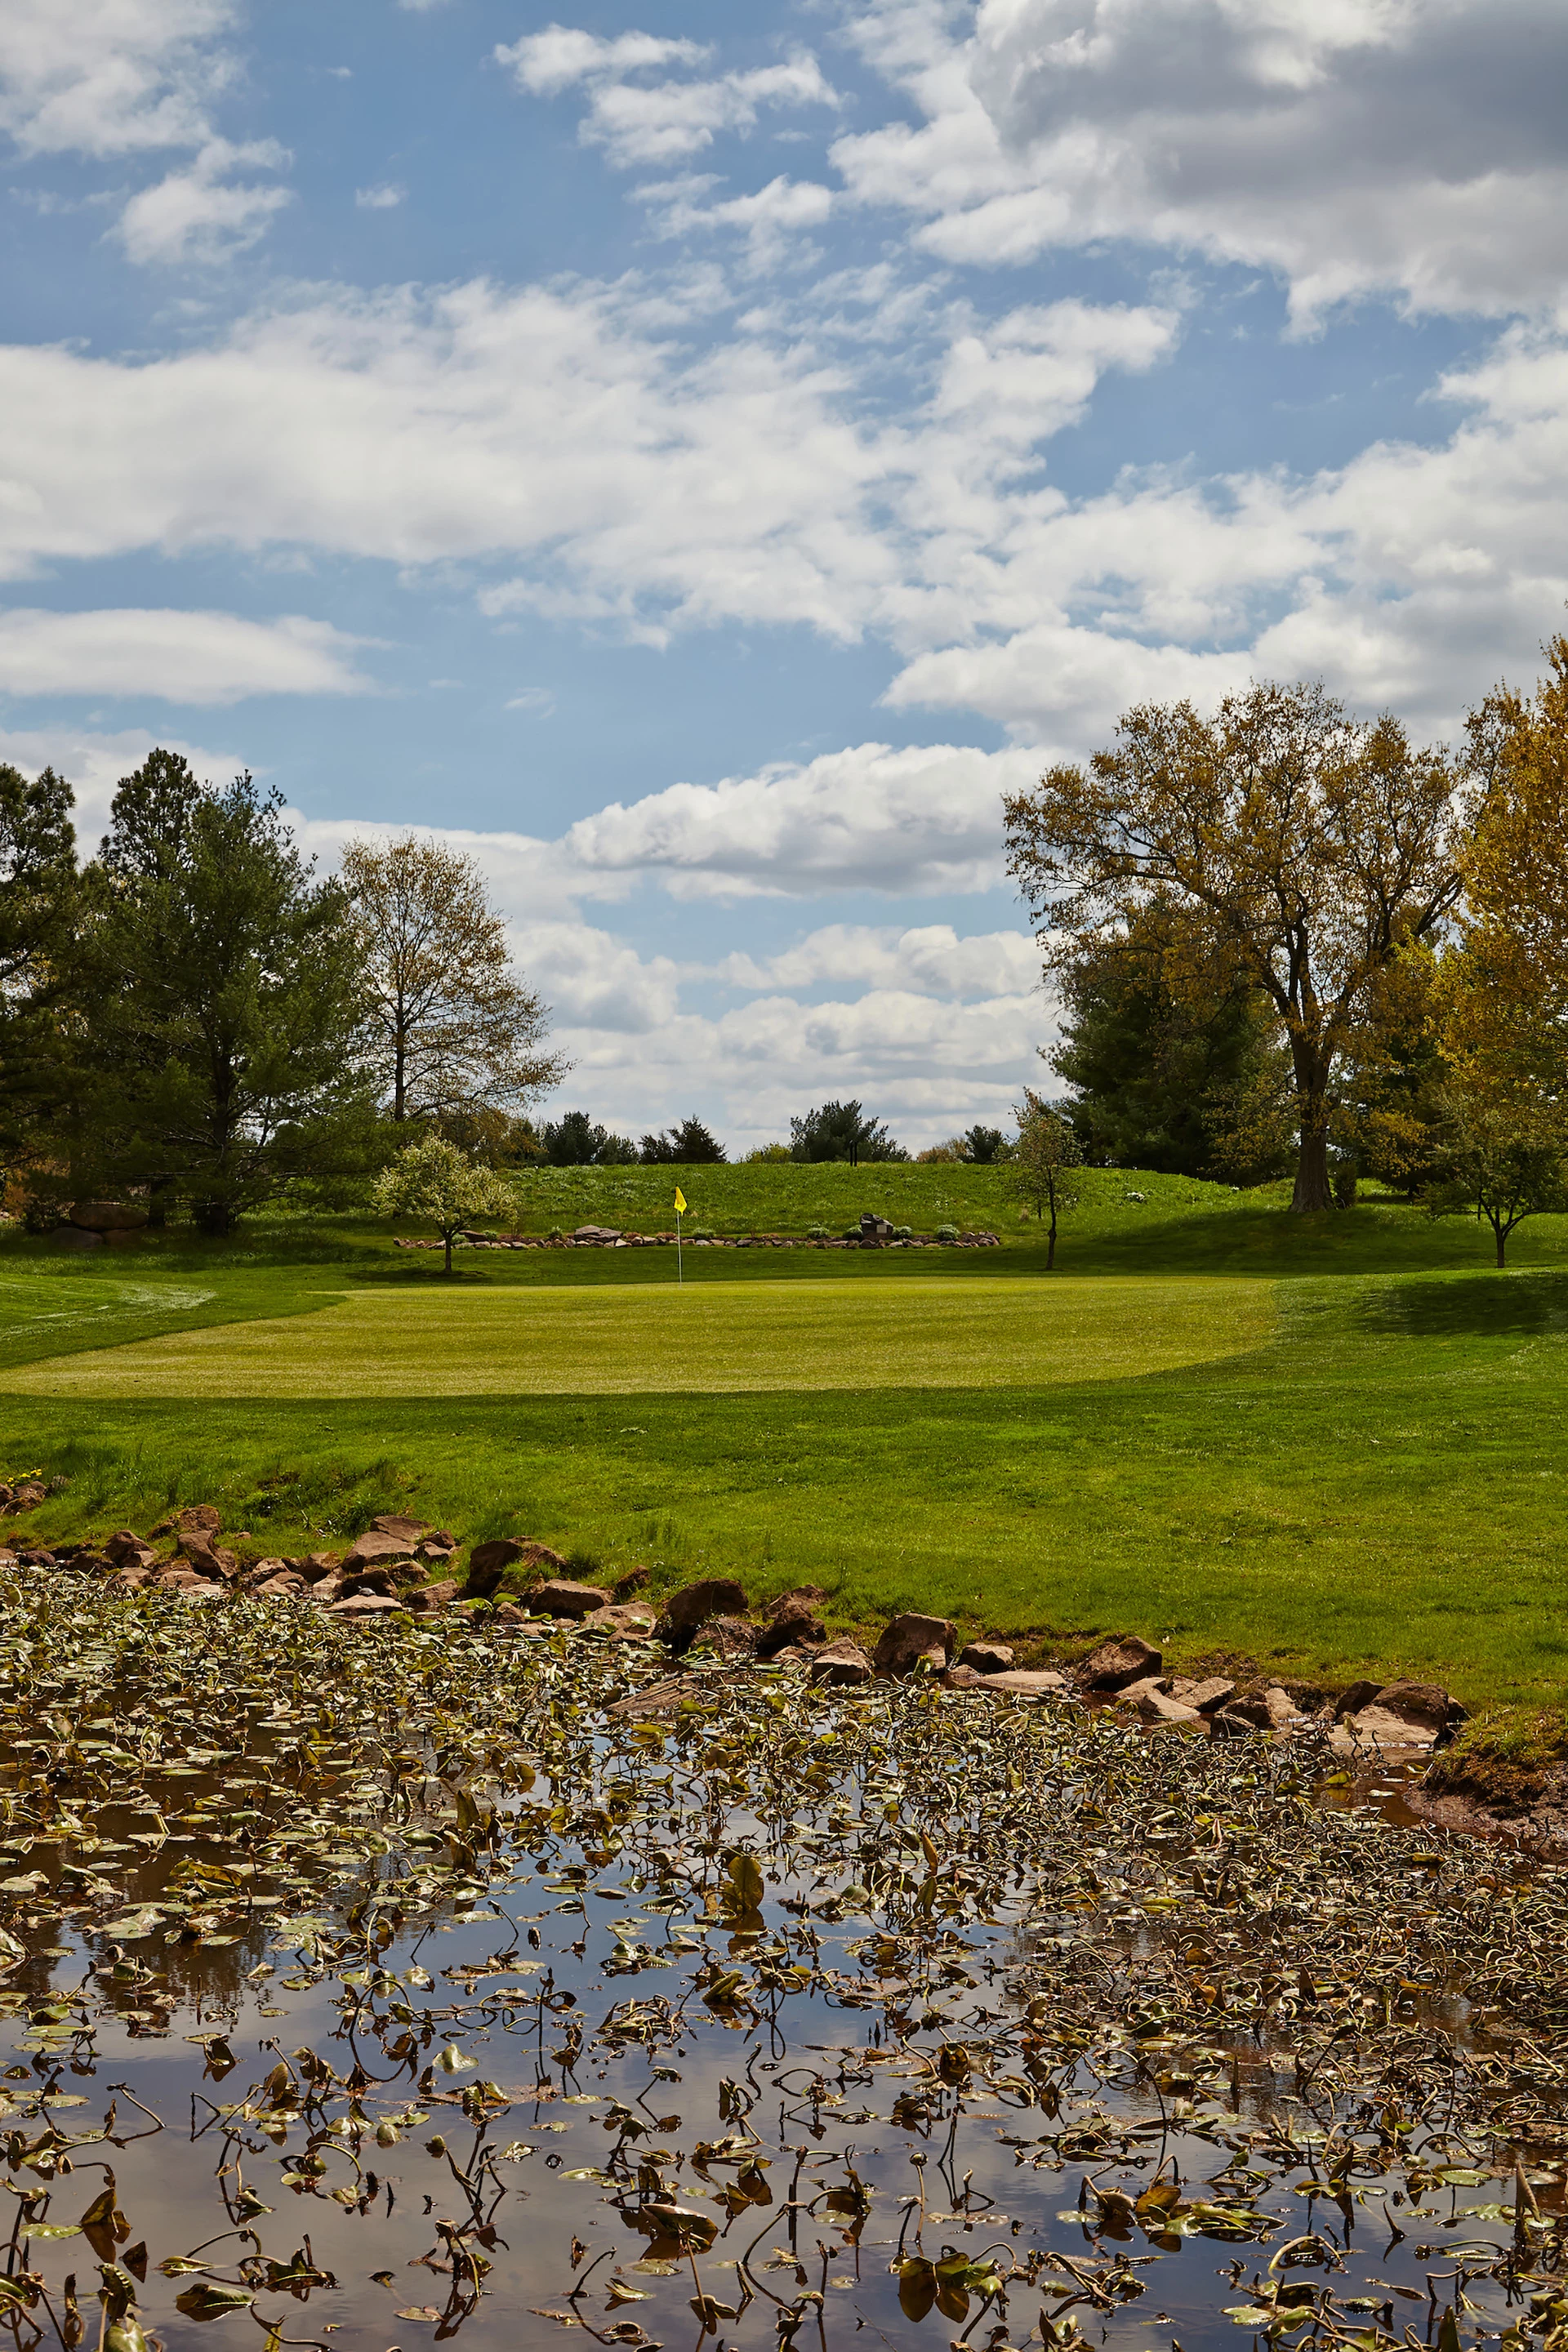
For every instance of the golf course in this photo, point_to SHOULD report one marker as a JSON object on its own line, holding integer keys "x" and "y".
{"x": 1332, "y": 1445}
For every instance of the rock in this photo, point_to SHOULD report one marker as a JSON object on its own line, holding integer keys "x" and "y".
{"x": 986, "y": 1657}
{"x": 128, "y": 1550}
{"x": 197, "y": 1519}
{"x": 659, "y": 1698}
{"x": 1127, "y": 1658}
{"x": 316, "y": 1565}
{"x": 1154, "y": 1704}
{"x": 691, "y": 1605}
{"x": 909, "y": 1641}
{"x": 73, "y": 1237}
{"x": 106, "y": 1216}
{"x": 393, "y": 1523}
{"x": 209, "y": 1559}
{"x": 1027, "y": 1683}
{"x": 1271, "y": 1709}
{"x": 840, "y": 1662}
{"x": 376, "y": 1544}
{"x": 364, "y": 1605}
{"x": 726, "y": 1637}
{"x": 487, "y": 1562}
{"x": 1358, "y": 1695}
{"x": 264, "y": 1570}
{"x": 792, "y": 1619}
{"x": 1405, "y": 1715}
{"x": 374, "y": 1578}
{"x": 179, "y": 1577}
{"x": 633, "y": 1582}
{"x": 26, "y": 1496}
{"x": 625, "y": 1621}
{"x": 430, "y": 1599}
{"x": 559, "y": 1597}
{"x": 1204, "y": 1695}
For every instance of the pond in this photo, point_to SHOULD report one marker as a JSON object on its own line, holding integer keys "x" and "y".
{"x": 376, "y": 1986}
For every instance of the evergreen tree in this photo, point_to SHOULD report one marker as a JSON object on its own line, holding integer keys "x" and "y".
{"x": 689, "y": 1145}
{"x": 38, "y": 894}
{"x": 841, "y": 1132}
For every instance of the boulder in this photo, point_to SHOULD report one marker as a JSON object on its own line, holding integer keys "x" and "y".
{"x": 374, "y": 1578}
{"x": 359, "y": 1606}
{"x": 559, "y": 1597}
{"x": 317, "y": 1565}
{"x": 792, "y": 1619}
{"x": 1028, "y": 1684}
{"x": 1127, "y": 1658}
{"x": 376, "y": 1544}
{"x": 128, "y": 1550}
{"x": 1270, "y": 1709}
{"x": 487, "y": 1562}
{"x": 209, "y": 1559}
{"x": 625, "y": 1620}
{"x": 1206, "y": 1696}
{"x": 1405, "y": 1714}
{"x": 633, "y": 1582}
{"x": 430, "y": 1599}
{"x": 840, "y": 1662}
{"x": 197, "y": 1519}
{"x": 801, "y": 1599}
{"x": 691, "y": 1605}
{"x": 1350, "y": 1702}
{"x": 392, "y": 1523}
{"x": 106, "y": 1216}
{"x": 1154, "y": 1704}
{"x": 986, "y": 1657}
{"x": 909, "y": 1641}
{"x": 263, "y": 1572}
{"x": 26, "y": 1496}
{"x": 73, "y": 1237}
{"x": 727, "y": 1637}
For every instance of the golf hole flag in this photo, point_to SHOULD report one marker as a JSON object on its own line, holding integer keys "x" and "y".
{"x": 679, "y": 1202}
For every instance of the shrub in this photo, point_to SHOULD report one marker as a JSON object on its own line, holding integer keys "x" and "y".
{"x": 947, "y": 1233}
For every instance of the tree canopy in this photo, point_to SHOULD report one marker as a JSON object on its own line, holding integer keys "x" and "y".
{"x": 842, "y": 1131}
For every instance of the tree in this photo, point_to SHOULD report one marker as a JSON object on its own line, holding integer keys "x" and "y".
{"x": 575, "y": 1141}
{"x": 980, "y": 1147}
{"x": 840, "y": 1130}
{"x": 1041, "y": 1170}
{"x": 689, "y": 1145}
{"x": 434, "y": 1180}
{"x": 455, "y": 1024}
{"x": 1160, "y": 1079}
{"x": 223, "y": 993}
{"x": 1502, "y": 1162}
{"x": 1306, "y": 845}
{"x": 38, "y": 909}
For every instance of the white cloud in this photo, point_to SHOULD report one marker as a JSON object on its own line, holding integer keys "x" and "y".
{"x": 930, "y": 959}
{"x": 194, "y": 658}
{"x": 656, "y": 121}
{"x": 535, "y": 699}
{"x": 200, "y": 215}
{"x": 1406, "y": 147}
{"x": 112, "y": 77}
{"x": 769, "y": 217}
{"x": 379, "y": 199}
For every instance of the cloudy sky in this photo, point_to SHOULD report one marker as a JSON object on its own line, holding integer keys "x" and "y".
{"x": 698, "y": 456}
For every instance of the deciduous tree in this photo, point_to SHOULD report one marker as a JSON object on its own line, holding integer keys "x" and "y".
{"x": 455, "y": 1024}
{"x": 37, "y": 912}
{"x": 432, "y": 1180}
{"x": 1305, "y": 845}
{"x": 1041, "y": 1173}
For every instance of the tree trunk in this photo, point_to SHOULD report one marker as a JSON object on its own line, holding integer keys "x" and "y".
{"x": 1313, "y": 1191}
{"x": 1502, "y": 1244}
{"x": 449, "y": 1265}
{"x": 1051, "y": 1244}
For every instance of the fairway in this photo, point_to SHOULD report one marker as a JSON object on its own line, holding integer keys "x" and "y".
{"x": 1003, "y": 1332}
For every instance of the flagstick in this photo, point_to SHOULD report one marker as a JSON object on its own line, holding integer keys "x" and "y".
{"x": 679, "y": 1275}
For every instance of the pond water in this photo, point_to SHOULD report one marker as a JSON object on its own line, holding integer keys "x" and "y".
{"x": 366, "y": 1988}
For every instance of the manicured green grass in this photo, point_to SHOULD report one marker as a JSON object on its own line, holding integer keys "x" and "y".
{"x": 1008, "y": 1332}
{"x": 1373, "y": 1480}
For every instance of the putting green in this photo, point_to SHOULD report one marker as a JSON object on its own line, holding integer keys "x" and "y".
{"x": 981, "y": 1333}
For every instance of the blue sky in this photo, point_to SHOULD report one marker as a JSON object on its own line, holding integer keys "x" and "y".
{"x": 697, "y": 458}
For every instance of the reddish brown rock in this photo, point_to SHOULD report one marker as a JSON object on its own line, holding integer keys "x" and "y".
{"x": 360, "y": 1606}
{"x": 623, "y": 1621}
{"x": 377, "y": 1544}
{"x": 840, "y": 1664}
{"x": 106, "y": 1216}
{"x": 693, "y": 1604}
{"x": 1405, "y": 1715}
{"x": 1127, "y": 1658}
{"x": 559, "y": 1597}
{"x": 210, "y": 1560}
{"x": 392, "y": 1522}
{"x": 430, "y": 1599}
{"x": 793, "y": 1622}
{"x": 1206, "y": 1695}
{"x": 489, "y": 1562}
{"x": 1154, "y": 1704}
{"x": 198, "y": 1519}
{"x": 986, "y": 1657}
{"x": 727, "y": 1637}
{"x": 1027, "y": 1683}
{"x": 128, "y": 1550}
{"x": 633, "y": 1582}
{"x": 912, "y": 1642}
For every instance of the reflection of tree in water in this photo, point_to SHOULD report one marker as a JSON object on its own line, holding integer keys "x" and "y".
{"x": 815, "y": 1985}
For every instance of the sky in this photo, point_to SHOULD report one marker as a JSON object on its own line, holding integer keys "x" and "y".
{"x": 697, "y": 459}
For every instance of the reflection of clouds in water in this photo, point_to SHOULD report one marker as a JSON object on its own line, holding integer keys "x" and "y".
{"x": 538, "y": 1977}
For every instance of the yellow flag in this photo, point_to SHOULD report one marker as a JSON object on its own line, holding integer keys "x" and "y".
{"x": 679, "y": 1202}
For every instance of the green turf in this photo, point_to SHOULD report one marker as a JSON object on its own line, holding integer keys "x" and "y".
{"x": 1006, "y": 1332}
{"x": 1374, "y": 1481}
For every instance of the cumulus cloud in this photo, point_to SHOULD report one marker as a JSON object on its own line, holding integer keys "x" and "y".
{"x": 106, "y": 77}
{"x": 194, "y": 658}
{"x": 379, "y": 199}
{"x": 201, "y": 213}
{"x": 1407, "y": 147}
{"x": 769, "y": 217}
{"x": 93, "y": 762}
{"x": 658, "y": 122}
{"x": 927, "y": 959}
